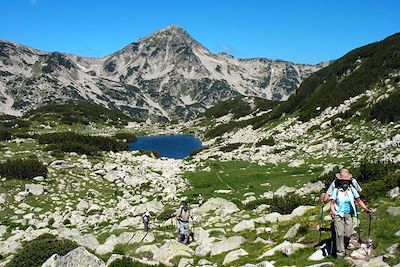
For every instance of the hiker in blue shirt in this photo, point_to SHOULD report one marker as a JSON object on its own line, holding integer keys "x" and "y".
{"x": 343, "y": 200}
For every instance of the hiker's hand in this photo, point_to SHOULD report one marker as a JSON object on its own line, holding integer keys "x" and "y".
{"x": 333, "y": 214}
{"x": 368, "y": 210}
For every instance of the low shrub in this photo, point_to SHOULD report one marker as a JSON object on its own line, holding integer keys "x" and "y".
{"x": 283, "y": 205}
{"x": 4, "y": 134}
{"x": 270, "y": 141}
{"x": 375, "y": 188}
{"x": 387, "y": 110}
{"x": 128, "y": 262}
{"x": 82, "y": 144}
{"x": 37, "y": 251}
{"x": 22, "y": 168}
{"x": 129, "y": 137}
{"x": 230, "y": 147}
{"x": 166, "y": 214}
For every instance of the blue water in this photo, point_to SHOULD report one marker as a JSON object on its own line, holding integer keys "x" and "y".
{"x": 172, "y": 146}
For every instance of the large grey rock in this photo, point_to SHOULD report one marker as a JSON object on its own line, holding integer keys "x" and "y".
{"x": 3, "y": 197}
{"x": 59, "y": 164}
{"x": 393, "y": 211}
{"x": 300, "y": 210}
{"x": 89, "y": 241}
{"x": 292, "y": 248}
{"x": 244, "y": 225}
{"x": 108, "y": 246}
{"x": 227, "y": 245}
{"x": 374, "y": 262}
{"x": 317, "y": 255}
{"x": 310, "y": 188}
{"x": 34, "y": 189}
{"x": 260, "y": 264}
{"x": 234, "y": 255}
{"x": 275, "y": 249}
{"x": 3, "y": 230}
{"x": 170, "y": 250}
{"x": 211, "y": 205}
{"x": 284, "y": 190}
{"x": 185, "y": 262}
{"x": 78, "y": 257}
{"x": 135, "y": 237}
{"x": 227, "y": 209}
{"x": 395, "y": 192}
{"x": 292, "y": 232}
{"x": 9, "y": 246}
{"x": 269, "y": 218}
{"x": 393, "y": 249}
{"x": 82, "y": 205}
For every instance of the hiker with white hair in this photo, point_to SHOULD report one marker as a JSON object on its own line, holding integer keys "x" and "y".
{"x": 145, "y": 219}
{"x": 183, "y": 215}
{"x": 343, "y": 207}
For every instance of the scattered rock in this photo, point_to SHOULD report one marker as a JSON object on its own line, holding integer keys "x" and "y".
{"x": 185, "y": 262}
{"x": 227, "y": 209}
{"x": 393, "y": 249}
{"x": 34, "y": 189}
{"x": 2, "y": 198}
{"x": 299, "y": 211}
{"x": 244, "y": 225}
{"x": 172, "y": 249}
{"x": 227, "y": 245}
{"x": 393, "y": 211}
{"x": 292, "y": 232}
{"x": 234, "y": 255}
{"x": 395, "y": 192}
{"x": 77, "y": 257}
{"x": 322, "y": 264}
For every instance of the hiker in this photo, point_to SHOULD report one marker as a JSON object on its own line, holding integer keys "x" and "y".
{"x": 200, "y": 199}
{"x": 335, "y": 184}
{"x": 342, "y": 206}
{"x": 145, "y": 220}
{"x": 182, "y": 216}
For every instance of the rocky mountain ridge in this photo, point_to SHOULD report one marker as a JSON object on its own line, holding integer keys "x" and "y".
{"x": 163, "y": 76}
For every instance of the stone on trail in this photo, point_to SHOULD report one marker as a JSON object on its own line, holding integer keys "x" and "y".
{"x": 260, "y": 264}
{"x": 374, "y": 262}
{"x": 227, "y": 209}
{"x": 185, "y": 262}
{"x": 34, "y": 189}
{"x": 286, "y": 247}
{"x": 292, "y": 232}
{"x": 234, "y": 255}
{"x": 77, "y": 257}
{"x": 170, "y": 250}
{"x": 227, "y": 245}
{"x": 393, "y": 211}
{"x": 244, "y": 225}
{"x": 322, "y": 264}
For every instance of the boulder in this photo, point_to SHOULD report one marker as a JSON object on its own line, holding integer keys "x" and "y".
{"x": 89, "y": 241}
{"x": 395, "y": 192}
{"x": 317, "y": 255}
{"x": 59, "y": 164}
{"x": 361, "y": 253}
{"x": 296, "y": 163}
{"x": 275, "y": 249}
{"x": 292, "y": 248}
{"x": 269, "y": 218}
{"x": 185, "y": 262}
{"x": 212, "y": 204}
{"x": 170, "y": 250}
{"x": 108, "y": 246}
{"x": 77, "y": 257}
{"x": 393, "y": 211}
{"x": 244, "y": 225}
{"x": 300, "y": 210}
{"x": 234, "y": 255}
{"x": 9, "y": 246}
{"x": 374, "y": 262}
{"x": 260, "y": 264}
{"x": 227, "y": 209}
{"x": 227, "y": 245}
{"x": 284, "y": 190}
{"x": 2, "y": 198}
{"x": 34, "y": 189}
{"x": 393, "y": 249}
{"x": 292, "y": 232}
{"x": 310, "y": 188}
{"x": 322, "y": 264}
{"x": 82, "y": 205}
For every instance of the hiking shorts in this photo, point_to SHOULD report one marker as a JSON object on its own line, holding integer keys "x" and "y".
{"x": 183, "y": 228}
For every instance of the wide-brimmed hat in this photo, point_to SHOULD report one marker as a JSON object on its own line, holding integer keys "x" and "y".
{"x": 347, "y": 177}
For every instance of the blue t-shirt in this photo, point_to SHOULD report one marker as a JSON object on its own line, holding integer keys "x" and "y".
{"x": 340, "y": 196}
{"x": 347, "y": 205}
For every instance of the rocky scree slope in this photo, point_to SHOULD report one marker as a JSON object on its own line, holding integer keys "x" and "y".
{"x": 166, "y": 75}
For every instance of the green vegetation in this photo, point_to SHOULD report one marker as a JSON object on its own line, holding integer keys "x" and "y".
{"x": 128, "y": 137}
{"x": 4, "y": 134}
{"x": 128, "y": 262}
{"x": 270, "y": 141}
{"x": 387, "y": 110}
{"x": 82, "y": 144}
{"x": 230, "y": 147}
{"x": 283, "y": 205}
{"x": 22, "y": 168}
{"x": 81, "y": 113}
{"x": 37, "y": 251}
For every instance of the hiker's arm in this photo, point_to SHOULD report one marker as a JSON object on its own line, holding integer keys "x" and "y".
{"x": 325, "y": 198}
{"x": 362, "y": 204}
{"x": 333, "y": 212}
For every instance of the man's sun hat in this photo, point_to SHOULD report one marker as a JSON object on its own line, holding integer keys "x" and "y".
{"x": 344, "y": 174}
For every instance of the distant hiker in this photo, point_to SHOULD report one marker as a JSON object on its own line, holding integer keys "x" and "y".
{"x": 145, "y": 220}
{"x": 342, "y": 206}
{"x": 183, "y": 215}
{"x": 200, "y": 199}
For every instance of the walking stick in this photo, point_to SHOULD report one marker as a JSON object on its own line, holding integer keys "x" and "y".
{"x": 321, "y": 221}
{"x": 369, "y": 229}
{"x": 144, "y": 236}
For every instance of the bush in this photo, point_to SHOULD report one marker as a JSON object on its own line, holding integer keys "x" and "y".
{"x": 283, "y": 205}
{"x": 23, "y": 168}
{"x": 375, "y": 188}
{"x": 166, "y": 214}
{"x": 230, "y": 147}
{"x": 128, "y": 262}
{"x": 387, "y": 110}
{"x": 129, "y": 137}
{"x": 4, "y": 134}
{"x": 270, "y": 141}
{"x": 82, "y": 144}
{"x": 37, "y": 251}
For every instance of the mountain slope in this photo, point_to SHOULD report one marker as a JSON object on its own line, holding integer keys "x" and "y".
{"x": 163, "y": 76}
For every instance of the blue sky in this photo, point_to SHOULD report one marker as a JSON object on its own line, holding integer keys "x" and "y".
{"x": 306, "y": 31}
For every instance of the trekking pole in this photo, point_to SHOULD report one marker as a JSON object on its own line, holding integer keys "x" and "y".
{"x": 144, "y": 236}
{"x": 321, "y": 221}
{"x": 369, "y": 229}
